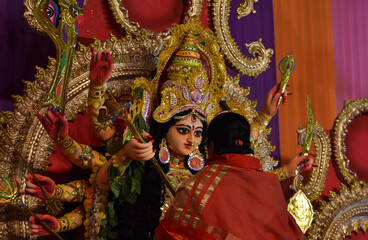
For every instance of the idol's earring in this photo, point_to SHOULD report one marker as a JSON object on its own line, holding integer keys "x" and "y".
{"x": 164, "y": 154}
{"x": 196, "y": 160}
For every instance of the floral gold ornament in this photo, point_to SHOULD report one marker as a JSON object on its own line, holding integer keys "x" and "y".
{"x": 239, "y": 62}
{"x": 245, "y": 8}
{"x": 301, "y": 209}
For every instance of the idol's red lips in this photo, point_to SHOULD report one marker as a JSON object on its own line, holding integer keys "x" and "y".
{"x": 189, "y": 146}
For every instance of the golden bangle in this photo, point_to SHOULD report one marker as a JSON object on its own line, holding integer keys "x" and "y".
{"x": 72, "y": 192}
{"x": 67, "y": 222}
{"x": 58, "y": 192}
{"x": 262, "y": 119}
{"x": 63, "y": 224}
{"x": 96, "y": 97}
{"x": 68, "y": 145}
{"x": 281, "y": 173}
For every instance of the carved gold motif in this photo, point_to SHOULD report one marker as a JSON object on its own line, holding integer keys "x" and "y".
{"x": 121, "y": 15}
{"x": 28, "y": 6}
{"x": 245, "y": 8}
{"x": 352, "y": 109}
{"x": 301, "y": 209}
{"x": 24, "y": 130}
{"x": 244, "y": 65}
{"x": 344, "y": 213}
{"x": 315, "y": 185}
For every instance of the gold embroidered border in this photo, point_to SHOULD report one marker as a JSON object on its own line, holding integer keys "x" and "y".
{"x": 194, "y": 200}
{"x": 208, "y": 194}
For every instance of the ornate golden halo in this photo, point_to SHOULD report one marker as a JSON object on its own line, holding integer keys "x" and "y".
{"x": 344, "y": 213}
{"x": 242, "y": 64}
{"x": 351, "y": 110}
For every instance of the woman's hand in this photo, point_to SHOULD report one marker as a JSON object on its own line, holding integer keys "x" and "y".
{"x": 305, "y": 163}
{"x": 47, "y": 183}
{"x": 270, "y": 107}
{"x": 55, "y": 124}
{"x": 38, "y": 229}
{"x": 139, "y": 151}
{"x": 100, "y": 68}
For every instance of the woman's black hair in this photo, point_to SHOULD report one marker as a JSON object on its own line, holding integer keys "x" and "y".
{"x": 227, "y": 131}
{"x": 139, "y": 220}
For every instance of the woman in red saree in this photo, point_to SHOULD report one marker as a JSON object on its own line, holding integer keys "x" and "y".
{"x": 231, "y": 198}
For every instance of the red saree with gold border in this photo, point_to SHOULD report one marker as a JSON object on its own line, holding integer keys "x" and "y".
{"x": 231, "y": 198}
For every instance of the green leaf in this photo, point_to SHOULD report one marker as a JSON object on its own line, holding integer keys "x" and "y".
{"x": 112, "y": 235}
{"x": 136, "y": 186}
{"x": 141, "y": 123}
{"x": 113, "y": 172}
{"x": 113, "y": 221}
{"x": 110, "y": 209}
{"x": 138, "y": 93}
{"x": 115, "y": 188}
{"x": 138, "y": 173}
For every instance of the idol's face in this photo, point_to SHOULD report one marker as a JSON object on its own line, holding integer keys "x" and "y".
{"x": 183, "y": 137}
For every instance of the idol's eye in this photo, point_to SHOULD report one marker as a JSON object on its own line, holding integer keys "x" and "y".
{"x": 75, "y": 11}
{"x": 198, "y": 133}
{"x": 52, "y": 12}
{"x": 182, "y": 130}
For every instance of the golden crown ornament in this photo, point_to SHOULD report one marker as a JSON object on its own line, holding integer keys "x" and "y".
{"x": 187, "y": 87}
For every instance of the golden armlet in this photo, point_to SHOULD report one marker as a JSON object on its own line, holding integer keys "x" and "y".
{"x": 260, "y": 122}
{"x": 96, "y": 97}
{"x": 68, "y": 221}
{"x": 281, "y": 173}
{"x": 73, "y": 192}
{"x": 68, "y": 145}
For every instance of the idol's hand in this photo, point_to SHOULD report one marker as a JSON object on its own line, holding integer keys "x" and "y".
{"x": 37, "y": 229}
{"x": 100, "y": 68}
{"x": 270, "y": 107}
{"x": 55, "y": 124}
{"x": 305, "y": 163}
{"x": 139, "y": 151}
{"x": 33, "y": 189}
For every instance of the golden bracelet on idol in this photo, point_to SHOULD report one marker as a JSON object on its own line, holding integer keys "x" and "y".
{"x": 96, "y": 97}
